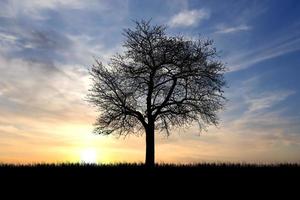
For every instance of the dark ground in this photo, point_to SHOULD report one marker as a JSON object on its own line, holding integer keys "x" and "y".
{"x": 76, "y": 170}
{"x": 136, "y": 177}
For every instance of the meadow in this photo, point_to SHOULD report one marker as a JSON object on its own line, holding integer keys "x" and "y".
{"x": 160, "y": 171}
{"x": 134, "y": 179}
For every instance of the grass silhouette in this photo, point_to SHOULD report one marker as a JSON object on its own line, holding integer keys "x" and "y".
{"x": 159, "y": 171}
{"x": 124, "y": 177}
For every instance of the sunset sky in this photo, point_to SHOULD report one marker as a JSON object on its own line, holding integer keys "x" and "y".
{"x": 47, "y": 47}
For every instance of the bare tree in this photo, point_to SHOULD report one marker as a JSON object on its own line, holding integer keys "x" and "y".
{"x": 159, "y": 82}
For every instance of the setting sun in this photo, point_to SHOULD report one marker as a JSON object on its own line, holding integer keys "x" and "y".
{"x": 88, "y": 156}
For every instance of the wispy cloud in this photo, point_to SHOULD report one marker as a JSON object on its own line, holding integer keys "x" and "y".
{"x": 38, "y": 10}
{"x": 33, "y": 8}
{"x": 226, "y": 30}
{"x": 259, "y": 128}
{"x": 189, "y": 18}
{"x": 274, "y": 49}
{"x": 259, "y": 112}
{"x": 7, "y": 38}
{"x": 266, "y": 100}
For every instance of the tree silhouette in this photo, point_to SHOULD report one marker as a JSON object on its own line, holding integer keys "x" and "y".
{"x": 159, "y": 82}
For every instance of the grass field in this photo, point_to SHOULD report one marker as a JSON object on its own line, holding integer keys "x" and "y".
{"x": 127, "y": 179}
{"x": 136, "y": 170}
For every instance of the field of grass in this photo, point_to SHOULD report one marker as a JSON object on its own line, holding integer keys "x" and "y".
{"x": 172, "y": 179}
{"x": 135, "y": 170}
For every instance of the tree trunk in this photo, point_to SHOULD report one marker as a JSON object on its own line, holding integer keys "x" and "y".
{"x": 150, "y": 147}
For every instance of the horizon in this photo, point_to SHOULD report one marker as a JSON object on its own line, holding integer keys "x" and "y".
{"x": 48, "y": 46}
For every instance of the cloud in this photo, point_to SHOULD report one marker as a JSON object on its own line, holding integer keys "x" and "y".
{"x": 189, "y": 18}
{"x": 44, "y": 68}
{"x": 37, "y": 45}
{"x": 7, "y": 38}
{"x": 226, "y": 30}
{"x": 58, "y": 38}
{"x": 39, "y": 10}
{"x": 266, "y": 100}
{"x": 279, "y": 47}
{"x": 33, "y": 8}
{"x": 260, "y": 117}
{"x": 31, "y": 89}
{"x": 85, "y": 49}
{"x": 258, "y": 128}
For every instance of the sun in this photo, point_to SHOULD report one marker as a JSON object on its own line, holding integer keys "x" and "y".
{"x": 88, "y": 156}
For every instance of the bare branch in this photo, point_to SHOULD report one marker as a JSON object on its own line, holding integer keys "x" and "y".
{"x": 159, "y": 80}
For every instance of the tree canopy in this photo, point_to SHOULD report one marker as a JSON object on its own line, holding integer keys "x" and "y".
{"x": 159, "y": 82}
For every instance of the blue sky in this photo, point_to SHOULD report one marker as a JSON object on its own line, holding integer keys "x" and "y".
{"x": 47, "y": 46}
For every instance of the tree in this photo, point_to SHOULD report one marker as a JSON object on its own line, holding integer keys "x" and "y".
{"x": 158, "y": 83}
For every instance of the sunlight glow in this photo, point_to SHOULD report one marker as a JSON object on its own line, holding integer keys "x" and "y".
{"x": 88, "y": 156}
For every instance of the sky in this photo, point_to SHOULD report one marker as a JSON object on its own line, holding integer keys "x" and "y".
{"x": 47, "y": 47}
